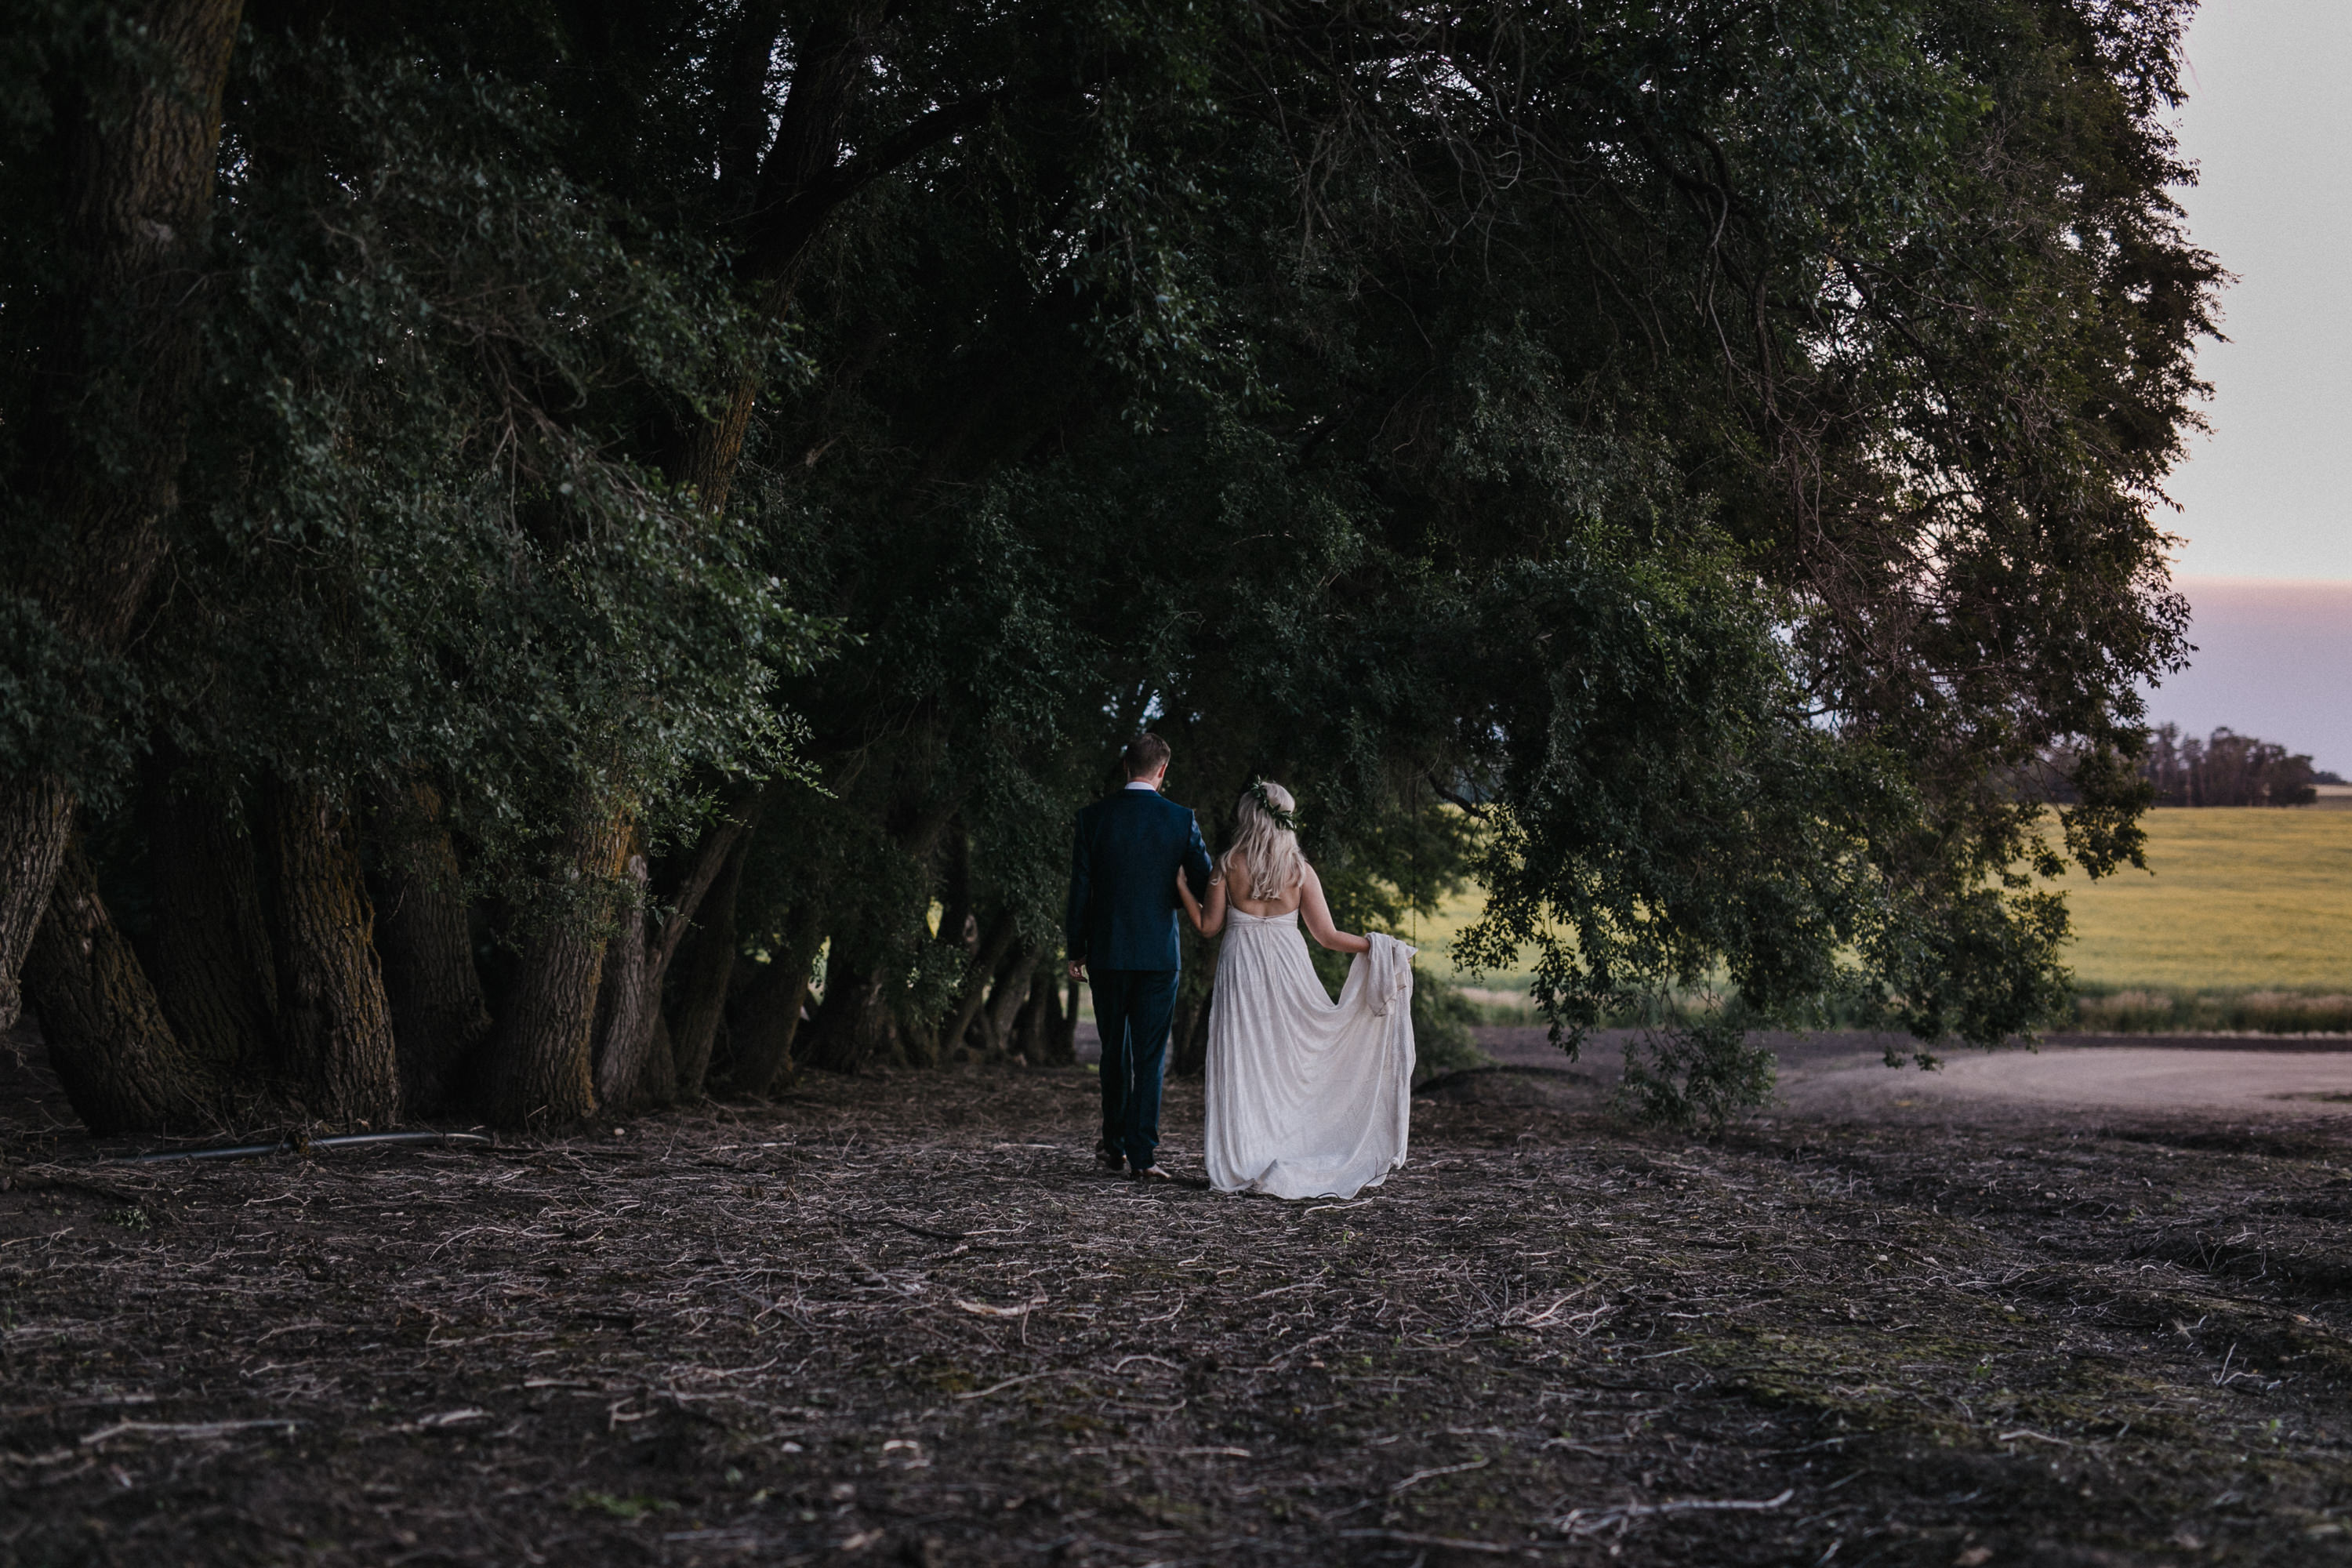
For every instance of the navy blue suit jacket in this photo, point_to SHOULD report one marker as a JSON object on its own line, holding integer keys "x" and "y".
{"x": 1122, "y": 912}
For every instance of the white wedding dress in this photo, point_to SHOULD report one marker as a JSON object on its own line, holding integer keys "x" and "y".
{"x": 1306, "y": 1098}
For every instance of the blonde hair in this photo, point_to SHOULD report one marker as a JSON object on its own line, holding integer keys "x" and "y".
{"x": 1266, "y": 842}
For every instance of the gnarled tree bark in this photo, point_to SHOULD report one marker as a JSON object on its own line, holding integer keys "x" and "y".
{"x": 106, "y": 427}
{"x": 984, "y": 964}
{"x": 661, "y": 1065}
{"x": 36, "y": 825}
{"x": 439, "y": 1018}
{"x": 853, "y": 1027}
{"x": 122, "y": 1067}
{"x": 702, "y": 988}
{"x": 334, "y": 1022}
{"x": 627, "y": 1009}
{"x": 1006, "y": 1000}
{"x": 639, "y": 965}
{"x": 764, "y": 1020}
{"x": 213, "y": 970}
{"x": 538, "y": 1064}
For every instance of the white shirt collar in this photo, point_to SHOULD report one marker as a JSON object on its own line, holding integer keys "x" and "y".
{"x": 1143, "y": 785}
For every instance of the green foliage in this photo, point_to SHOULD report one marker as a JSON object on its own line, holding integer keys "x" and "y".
{"x": 65, "y": 709}
{"x": 415, "y": 539}
{"x": 1442, "y": 1021}
{"x": 1696, "y": 1073}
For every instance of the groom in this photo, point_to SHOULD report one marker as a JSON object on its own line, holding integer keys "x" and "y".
{"x": 1122, "y": 924}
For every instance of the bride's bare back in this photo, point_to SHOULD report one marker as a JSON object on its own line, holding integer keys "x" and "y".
{"x": 1235, "y": 875}
{"x": 1305, "y": 897}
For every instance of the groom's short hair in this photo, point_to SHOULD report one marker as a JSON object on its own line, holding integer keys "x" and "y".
{"x": 1146, "y": 755}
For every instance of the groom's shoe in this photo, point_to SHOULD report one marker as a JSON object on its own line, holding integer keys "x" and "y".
{"x": 1109, "y": 1159}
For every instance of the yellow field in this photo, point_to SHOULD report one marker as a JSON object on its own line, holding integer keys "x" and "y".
{"x": 2244, "y": 897}
{"x": 2232, "y": 899}
{"x": 1434, "y": 934}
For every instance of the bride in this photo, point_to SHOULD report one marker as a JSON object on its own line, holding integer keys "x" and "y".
{"x": 1306, "y": 1098}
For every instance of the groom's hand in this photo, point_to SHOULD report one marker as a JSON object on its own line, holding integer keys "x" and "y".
{"x": 1077, "y": 970}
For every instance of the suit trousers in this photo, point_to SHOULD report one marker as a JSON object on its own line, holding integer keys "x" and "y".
{"x": 1132, "y": 1009}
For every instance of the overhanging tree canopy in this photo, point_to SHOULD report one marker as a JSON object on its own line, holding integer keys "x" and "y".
{"x": 679, "y": 487}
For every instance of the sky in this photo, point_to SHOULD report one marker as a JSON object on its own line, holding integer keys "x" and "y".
{"x": 2272, "y": 657}
{"x": 2266, "y": 561}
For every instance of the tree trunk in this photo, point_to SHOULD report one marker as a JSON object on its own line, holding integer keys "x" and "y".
{"x": 1029, "y": 1033}
{"x": 834, "y": 61}
{"x": 766, "y": 1018}
{"x": 122, "y": 1069}
{"x": 991, "y": 954}
{"x": 918, "y": 1040}
{"x": 661, "y": 1065}
{"x": 214, "y": 971}
{"x": 439, "y": 1018}
{"x": 1010, "y": 995}
{"x": 35, "y": 825}
{"x": 1189, "y": 1037}
{"x": 334, "y": 1023}
{"x": 538, "y": 1069}
{"x": 1057, "y": 1041}
{"x": 957, "y": 926}
{"x": 703, "y": 987}
{"x": 110, "y": 408}
{"x": 853, "y": 1027}
{"x": 624, "y": 1043}
{"x": 642, "y": 952}
{"x": 106, "y": 425}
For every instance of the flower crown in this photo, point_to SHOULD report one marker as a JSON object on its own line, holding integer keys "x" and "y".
{"x": 1285, "y": 820}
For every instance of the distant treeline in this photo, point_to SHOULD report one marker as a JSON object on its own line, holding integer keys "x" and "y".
{"x": 2224, "y": 769}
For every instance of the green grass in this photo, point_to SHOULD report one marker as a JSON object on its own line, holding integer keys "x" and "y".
{"x": 2143, "y": 1010}
{"x": 2242, "y": 922}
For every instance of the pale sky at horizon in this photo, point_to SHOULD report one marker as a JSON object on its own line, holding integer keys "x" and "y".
{"x": 2269, "y": 663}
{"x": 2269, "y": 123}
{"x": 2266, "y": 563}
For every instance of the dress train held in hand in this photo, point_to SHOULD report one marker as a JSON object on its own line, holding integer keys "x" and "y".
{"x": 1307, "y": 1098}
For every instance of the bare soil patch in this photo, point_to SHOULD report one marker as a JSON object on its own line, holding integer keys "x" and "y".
{"x": 900, "y": 1319}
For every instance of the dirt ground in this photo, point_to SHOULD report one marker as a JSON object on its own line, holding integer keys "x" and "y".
{"x": 901, "y": 1319}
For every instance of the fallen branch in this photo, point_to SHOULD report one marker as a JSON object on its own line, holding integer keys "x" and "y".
{"x": 1009, "y": 1382}
{"x": 1418, "y": 1477}
{"x": 1408, "y": 1538}
{"x": 1583, "y": 1521}
{"x": 180, "y": 1429}
{"x": 299, "y": 1145}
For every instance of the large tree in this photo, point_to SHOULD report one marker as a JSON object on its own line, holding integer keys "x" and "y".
{"x": 113, "y": 118}
{"x": 1677, "y": 465}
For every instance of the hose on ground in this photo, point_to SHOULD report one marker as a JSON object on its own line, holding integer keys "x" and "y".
{"x": 297, "y": 1143}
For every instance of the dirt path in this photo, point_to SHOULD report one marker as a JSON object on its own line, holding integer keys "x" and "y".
{"x": 899, "y": 1320}
{"x": 1845, "y": 1076}
{"x": 2158, "y": 1079}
